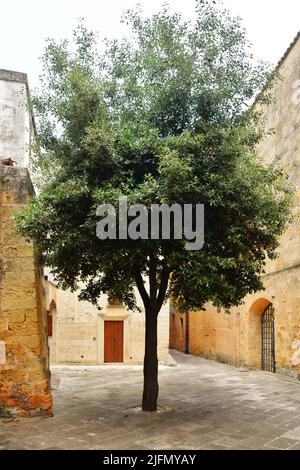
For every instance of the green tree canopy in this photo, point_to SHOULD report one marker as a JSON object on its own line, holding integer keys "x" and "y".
{"x": 162, "y": 116}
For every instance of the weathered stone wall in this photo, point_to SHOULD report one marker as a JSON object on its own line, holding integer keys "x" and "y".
{"x": 235, "y": 338}
{"x": 78, "y": 329}
{"x": 16, "y": 122}
{"x": 24, "y": 368}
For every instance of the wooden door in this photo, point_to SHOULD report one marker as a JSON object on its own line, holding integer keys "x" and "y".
{"x": 113, "y": 341}
{"x": 49, "y": 323}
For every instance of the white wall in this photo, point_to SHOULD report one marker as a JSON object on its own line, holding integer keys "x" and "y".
{"x": 15, "y": 120}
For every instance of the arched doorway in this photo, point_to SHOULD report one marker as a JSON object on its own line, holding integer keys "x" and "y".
{"x": 268, "y": 363}
{"x": 50, "y": 314}
{"x": 257, "y": 324}
{"x": 52, "y": 330}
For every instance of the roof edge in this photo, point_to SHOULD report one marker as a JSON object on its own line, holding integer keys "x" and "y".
{"x": 12, "y": 76}
{"x": 277, "y": 67}
{"x": 289, "y": 49}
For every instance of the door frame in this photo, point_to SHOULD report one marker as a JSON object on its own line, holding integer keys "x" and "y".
{"x": 118, "y": 316}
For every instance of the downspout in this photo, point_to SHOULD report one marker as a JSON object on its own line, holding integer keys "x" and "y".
{"x": 187, "y": 333}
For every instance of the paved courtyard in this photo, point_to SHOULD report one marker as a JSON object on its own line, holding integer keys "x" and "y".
{"x": 205, "y": 405}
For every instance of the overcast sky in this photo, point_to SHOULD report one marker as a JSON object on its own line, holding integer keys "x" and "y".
{"x": 25, "y": 24}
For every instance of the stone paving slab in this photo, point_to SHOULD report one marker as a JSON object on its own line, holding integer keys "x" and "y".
{"x": 211, "y": 406}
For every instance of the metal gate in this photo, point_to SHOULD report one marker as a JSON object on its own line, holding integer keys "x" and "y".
{"x": 268, "y": 340}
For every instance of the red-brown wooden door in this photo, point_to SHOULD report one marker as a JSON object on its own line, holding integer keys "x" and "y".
{"x": 113, "y": 341}
{"x": 49, "y": 324}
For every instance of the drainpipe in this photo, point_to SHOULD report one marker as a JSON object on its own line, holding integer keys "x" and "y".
{"x": 187, "y": 333}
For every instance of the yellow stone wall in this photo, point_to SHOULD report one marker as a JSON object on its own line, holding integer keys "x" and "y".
{"x": 24, "y": 368}
{"x": 78, "y": 329}
{"x": 235, "y": 338}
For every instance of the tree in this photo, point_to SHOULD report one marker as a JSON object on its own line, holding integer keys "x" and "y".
{"x": 162, "y": 116}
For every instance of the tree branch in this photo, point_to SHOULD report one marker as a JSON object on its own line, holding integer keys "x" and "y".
{"x": 163, "y": 287}
{"x": 141, "y": 288}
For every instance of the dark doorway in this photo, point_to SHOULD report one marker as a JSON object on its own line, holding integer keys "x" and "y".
{"x": 113, "y": 341}
{"x": 49, "y": 323}
{"x": 268, "y": 340}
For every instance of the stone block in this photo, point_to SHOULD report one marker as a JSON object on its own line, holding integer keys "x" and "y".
{"x": 2, "y": 352}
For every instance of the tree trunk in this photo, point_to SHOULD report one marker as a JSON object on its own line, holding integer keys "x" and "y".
{"x": 150, "y": 393}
